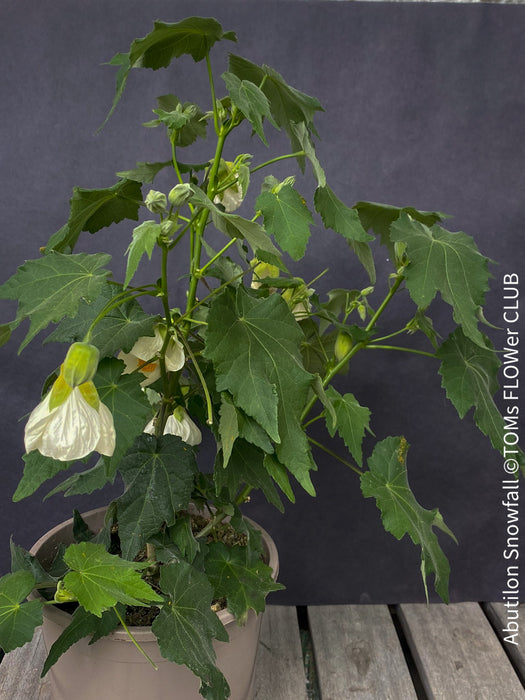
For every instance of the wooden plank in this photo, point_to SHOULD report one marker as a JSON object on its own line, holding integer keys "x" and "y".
{"x": 358, "y": 653}
{"x": 20, "y": 672}
{"x": 279, "y": 670}
{"x": 457, "y": 653}
{"x": 498, "y": 615}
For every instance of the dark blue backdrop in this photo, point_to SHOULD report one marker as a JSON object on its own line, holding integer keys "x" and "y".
{"x": 424, "y": 107}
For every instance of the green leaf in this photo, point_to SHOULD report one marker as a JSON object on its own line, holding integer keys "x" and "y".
{"x": 254, "y": 345}
{"x": 22, "y": 560}
{"x": 18, "y": 620}
{"x": 83, "y": 624}
{"x": 185, "y": 122}
{"x": 128, "y": 404}
{"x": 118, "y": 330}
{"x": 288, "y": 218}
{"x": 5, "y": 333}
{"x": 186, "y": 626}
{"x": 246, "y": 467}
{"x": 228, "y": 427}
{"x": 279, "y": 474}
{"x": 446, "y": 262}
{"x": 387, "y": 482}
{"x": 251, "y": 101}
{"x": 144, "y": 241}
{"x": 337, "y": 216}
{"x": 352, "y": 421}
{"x": 85, "y": 482}
{"x": 159, "y": 475}
{"x": 287, "y": 105}
{"x": 469, "y": 376}
{"x": 92, "y": 210}
{"x": 194, "y": 36}
{"x": 52, "y": 287}
{"x": 245, "y": 585}
{"x": 145, "y": 172}
{"x": 37, "y": 469}
{"x": 302, "y": 140}
{"x": 379, "y": 218}
{"x": 100, "y": 580}
{"x": 236, "y": 226}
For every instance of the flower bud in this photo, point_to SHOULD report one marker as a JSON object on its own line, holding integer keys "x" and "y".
{"x": 180, "y": 194}
{"x": 343, "y": 345}
{"x": 156, "y": 202}
{"x": 80, "y": 364}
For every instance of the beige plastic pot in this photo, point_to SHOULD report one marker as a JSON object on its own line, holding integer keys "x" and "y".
{"x": 113, "y": 669}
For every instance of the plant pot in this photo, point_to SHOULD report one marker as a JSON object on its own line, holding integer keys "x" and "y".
{"x": 113, "y": 669}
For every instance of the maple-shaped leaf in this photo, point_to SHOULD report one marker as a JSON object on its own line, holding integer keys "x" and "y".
{"x": 37, "y": 470}
{"x": 469, "y": 376}
{"x": 251, "y": 101}
{"x": 244, "y": 584}
{"x": 143, "y": 241}
{"x": 52, "y": 287}
{"x": 238, "y": 227}
{"x": 288, "y": 105}
{"x": 245, "y": 466}
{"x": 401, "y": 514}
{"x": 92, "y": 210}
{"x": 254, "y": 345}
{"x": 352, "y": 421}
{"x": 100, "y": 580}
{"x": 445, "y": 262}
{"x": 128, "y": 404}
{"x": 185, "y": 122}
{"x": 194, "y": 36}
{"x": 145, "y": 172}
{"x": 379, "y": 218}
{"x": 119, "y": 329}
{"x": 186, "y": 626}
{"x": 337, "y": 216}
{"x": 301, "y": 139}
{"x": 288, "y": 218}
{"x": 159, "y": 475}
{"x": 18, "y": 620}
{"x": 83, "y": 624}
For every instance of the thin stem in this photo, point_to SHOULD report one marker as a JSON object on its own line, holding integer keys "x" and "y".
{"x": 115, "y": 302}
{"x": 333, "y": 454}
{"x": 217, "y": 256}
{"x": 214, "y": 99}
{"x": 127, "y": 631}
{"x": 374, "y": 346}
{"x": 209, "y": 407}
{"x": 174, "y": 161}
{"x": 275, "y": 160}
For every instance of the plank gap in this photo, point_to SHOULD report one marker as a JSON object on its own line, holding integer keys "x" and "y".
{"x": 514, "y": 654}
{"x": 310, "y": 667}
{"x": 407, "y": 653}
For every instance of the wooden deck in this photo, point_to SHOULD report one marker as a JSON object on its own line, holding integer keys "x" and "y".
{"x": 357, "y": 652}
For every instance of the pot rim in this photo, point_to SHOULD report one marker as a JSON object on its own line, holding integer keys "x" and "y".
{"x": 142, "y": 633}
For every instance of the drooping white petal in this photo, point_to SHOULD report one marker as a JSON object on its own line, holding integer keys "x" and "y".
{"x": 184, "y": 428}
{"x": 175, "y": 357}
{"x": 72, "y": 430}
{"x": 106, "y": 443}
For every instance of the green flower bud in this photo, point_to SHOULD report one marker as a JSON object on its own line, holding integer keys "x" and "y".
{"x": 80, "y": 364}
{"x": 156, "y": 202}
{"x": 180, "y": 194}
{"x": 343, "y": 345}
{"x": 168, "y": 227}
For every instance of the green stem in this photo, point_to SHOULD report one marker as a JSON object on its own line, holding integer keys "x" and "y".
{"x": 373, "y": 346}
{"x": 127, "y": 631}
{"x": 217, "y": 256}
{"x": 275, "y": 160}
{"x": 214, "y": 99}
{"x": 209, "y": 407}
{"x": 333, "y": 454}
{"x": 114, "y": 303}
{"x": 174, "y": 161}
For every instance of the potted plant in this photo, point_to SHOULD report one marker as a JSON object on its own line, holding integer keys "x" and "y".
{"x": 249, "y": 357}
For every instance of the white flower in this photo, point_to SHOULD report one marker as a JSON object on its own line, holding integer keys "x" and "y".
{"x": 74, "y": 428}
{"x": 144, "y": 356}
{"x": 231, "y": 198}
{"x": 179, "y": 423}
